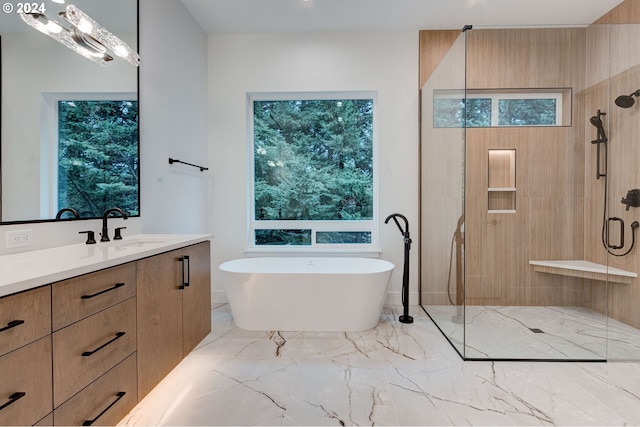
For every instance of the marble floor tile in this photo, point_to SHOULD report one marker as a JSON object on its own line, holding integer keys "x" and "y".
{"x": 543, "y": 394}
{"x": 394, "y": 374}
{"x": 329, "y": 393}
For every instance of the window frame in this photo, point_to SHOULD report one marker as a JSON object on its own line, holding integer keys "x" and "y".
{"x": 314, "y": 225}
{"x": 496, "y": 95}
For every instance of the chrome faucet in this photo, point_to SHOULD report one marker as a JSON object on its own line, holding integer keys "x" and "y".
{"x": 105, "y": 230}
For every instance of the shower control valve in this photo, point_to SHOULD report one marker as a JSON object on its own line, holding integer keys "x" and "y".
{"x": 632, "y": 199}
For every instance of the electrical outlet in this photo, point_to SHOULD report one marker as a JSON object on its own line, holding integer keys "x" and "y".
{"x": 18, "y": 238}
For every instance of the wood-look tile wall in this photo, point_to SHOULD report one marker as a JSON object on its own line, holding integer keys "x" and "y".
{"x": 613, "y": 70}
{"x": 548, "y": 221}
{"x": 559, "y": 207}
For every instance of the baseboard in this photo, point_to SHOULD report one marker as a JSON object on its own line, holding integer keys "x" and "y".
{"x": 218, "y": 297}
{"x": 395, "y": 298}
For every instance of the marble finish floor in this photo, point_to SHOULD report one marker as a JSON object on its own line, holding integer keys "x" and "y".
{"x": 537, "y": 332}
{"x": 394, "y": 374}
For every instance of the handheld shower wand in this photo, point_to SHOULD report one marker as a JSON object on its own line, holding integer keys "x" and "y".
{"x": 601, "y": 138}
{"x": 405, "y": 318}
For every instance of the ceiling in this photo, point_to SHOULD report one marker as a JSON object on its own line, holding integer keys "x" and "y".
{"x": 253, "y": 16}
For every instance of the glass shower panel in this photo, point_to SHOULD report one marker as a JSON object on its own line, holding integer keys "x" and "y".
{"x": 525, "y": 201}
{"x": 623, "y": 151}
{"x": 442, "y": 189}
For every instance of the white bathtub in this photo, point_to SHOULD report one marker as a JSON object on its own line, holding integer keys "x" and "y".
{"x": 306, "y": 294}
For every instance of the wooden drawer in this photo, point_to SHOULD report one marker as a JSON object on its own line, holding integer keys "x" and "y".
{"x": 105, "y": 401}
{"x": 87, "y": 349}
{"x": 24, "y": 318}
{"x": 26, "y": 370}
{"x": 82, "y": 296}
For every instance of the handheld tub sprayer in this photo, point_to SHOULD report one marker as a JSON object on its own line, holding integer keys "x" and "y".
{"x": 405, "y": 318}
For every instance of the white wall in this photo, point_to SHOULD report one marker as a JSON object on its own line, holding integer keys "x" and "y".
{"x": 386, "y": 62}
{"x": 173, "y": 119}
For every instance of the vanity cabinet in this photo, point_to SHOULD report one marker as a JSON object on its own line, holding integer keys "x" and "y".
{"x": 174, "y": 310}
{"x": 196, "y": 300}
{"x": 80, "y": 297}
{"x": 84, "y": 350}
{"x": 25, "y": 384}
{"x": 24, "y": 318}
{"x": 105, "y": 401}
{"x": 25, "y": 357}
{"x": 94, "y": 332}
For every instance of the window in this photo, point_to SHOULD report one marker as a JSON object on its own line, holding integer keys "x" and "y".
{"x": 500, "y": 108}
{"x": 97, "y": 152}
{"x": 313, "y": 170}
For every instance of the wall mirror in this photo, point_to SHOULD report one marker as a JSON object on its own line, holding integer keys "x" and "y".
{"x": 69, "y": 126}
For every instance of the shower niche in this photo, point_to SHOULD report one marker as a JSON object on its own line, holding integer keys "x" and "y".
{"x": 501, "y": 191}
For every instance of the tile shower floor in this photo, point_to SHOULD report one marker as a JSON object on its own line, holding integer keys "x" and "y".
{"x": 537, "y": 332}
{"x": 395, "y": 374}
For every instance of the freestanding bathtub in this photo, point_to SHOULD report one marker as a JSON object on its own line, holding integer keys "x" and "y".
{"x": 306, "y": 294}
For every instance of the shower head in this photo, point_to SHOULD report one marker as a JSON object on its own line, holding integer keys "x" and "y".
{"x": 596, "y": 121}
{"x": 627, "y": 101}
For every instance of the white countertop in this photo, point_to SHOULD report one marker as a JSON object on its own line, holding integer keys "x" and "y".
{"x": 27, "y": 270}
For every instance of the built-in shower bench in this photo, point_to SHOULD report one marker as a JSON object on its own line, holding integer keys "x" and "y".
{"x": 585, "y": 270}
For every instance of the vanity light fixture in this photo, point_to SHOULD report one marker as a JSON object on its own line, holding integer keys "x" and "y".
{"x": 97, "y": 32}
{"x": 67, "y": 37}
{"x": 86, "y": 36}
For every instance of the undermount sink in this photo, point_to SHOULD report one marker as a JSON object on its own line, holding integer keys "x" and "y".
{"x": 136, "y": 242}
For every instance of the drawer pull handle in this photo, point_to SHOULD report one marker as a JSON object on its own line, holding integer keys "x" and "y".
{"x": 12, "y": 324}
{"x": 119, "y": 395}
{"x": 117, "y": 285}
{"x": 185, "y": 262}
{"x": 13, "y": 399}
{"x": 90, "y": 353}
{"x": 188, "y": 260}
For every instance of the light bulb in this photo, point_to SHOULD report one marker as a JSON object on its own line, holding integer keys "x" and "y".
{"x": 121, "y": 51}
{"x": 85, "y": 26}
{"x": 53, "y": 27}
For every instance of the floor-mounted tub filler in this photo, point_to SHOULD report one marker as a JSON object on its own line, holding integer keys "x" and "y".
{"x": 306, "y": 294}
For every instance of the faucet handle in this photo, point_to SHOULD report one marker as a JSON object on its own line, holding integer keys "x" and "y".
{"x": 117, "y": 235}
{"x": 91, "y": 237}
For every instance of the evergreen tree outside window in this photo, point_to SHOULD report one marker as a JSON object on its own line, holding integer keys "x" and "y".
{"x": 313, "y": 170}
{"x": 503, "y": 108}
{"x": 98, "y": 156}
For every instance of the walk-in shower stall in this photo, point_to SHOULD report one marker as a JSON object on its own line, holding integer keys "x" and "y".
{"x": 530, "y": 164}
